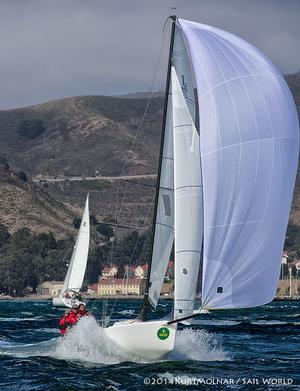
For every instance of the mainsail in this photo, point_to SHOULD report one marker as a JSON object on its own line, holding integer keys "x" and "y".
{"x": 164, "y": 221}
{"x": 249, "y": 143}
{"x": 76, "y": 270}
{"x": 164, "y": 224}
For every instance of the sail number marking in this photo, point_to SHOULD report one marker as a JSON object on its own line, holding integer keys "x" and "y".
{"x": 163, "y": 333}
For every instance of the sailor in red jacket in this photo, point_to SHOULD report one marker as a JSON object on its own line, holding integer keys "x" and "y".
{"x": 81, "y": 311}
{"x": 68, "y": 320}
{"x": 71, "y": 317}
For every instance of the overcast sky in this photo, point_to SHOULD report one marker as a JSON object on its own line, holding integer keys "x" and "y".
{"x": 51, "y": 49}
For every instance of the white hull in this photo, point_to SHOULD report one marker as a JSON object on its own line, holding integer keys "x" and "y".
{"x": 147, "y": 339}
{"x": 58, "y": 302}
{"x": 68, "y": 303}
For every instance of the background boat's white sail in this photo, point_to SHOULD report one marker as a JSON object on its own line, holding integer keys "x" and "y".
{"x": 76, "y": 270}
{"x": 249, "y": 141}
{"x": 188, "y": 202}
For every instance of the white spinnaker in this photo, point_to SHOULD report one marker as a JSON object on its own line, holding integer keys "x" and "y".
{"x": 249, "y": 141}
{"x": 164, "y": 226}
{"x": 188, "y": 203}
{"x": 76, "y": 270}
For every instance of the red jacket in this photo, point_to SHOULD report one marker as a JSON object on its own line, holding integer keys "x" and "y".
{"x": 67, "y": 320}
{"x": 81, "y": 313}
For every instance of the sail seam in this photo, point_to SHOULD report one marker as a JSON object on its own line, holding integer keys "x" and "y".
{"x": 248, "y": 142}
{"x": 242, "y": 223}
{"x": 165, "y": 225}
{"x": 168, "y": 158}
{"x": 190, "y": 186}
{"x": 184, "y": 125}
{"x": 188, "y": 251}
{"x": 236, "y": 78}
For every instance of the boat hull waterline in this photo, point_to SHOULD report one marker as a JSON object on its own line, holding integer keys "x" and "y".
{"x": 150, "y": 340}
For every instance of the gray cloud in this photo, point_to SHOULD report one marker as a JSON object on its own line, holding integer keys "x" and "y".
{"x": 57, "y": 48}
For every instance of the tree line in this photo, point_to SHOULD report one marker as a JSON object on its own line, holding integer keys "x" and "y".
{"x": 28, "y": 259}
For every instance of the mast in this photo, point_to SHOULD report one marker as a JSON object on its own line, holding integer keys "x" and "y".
{"x": 146, "y": 294}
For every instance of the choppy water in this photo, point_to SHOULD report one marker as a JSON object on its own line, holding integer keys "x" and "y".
{"x": 225, "y": 350}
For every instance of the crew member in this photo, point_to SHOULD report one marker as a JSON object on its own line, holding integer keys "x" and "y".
{"x": 82, "y": 311}
{"x": 68, "y": 320}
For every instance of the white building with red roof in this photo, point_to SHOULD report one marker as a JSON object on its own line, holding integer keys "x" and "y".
{"x": 284, "y": 258}
{"x": 109, "y": 272}
{"x": 141, "y": 271}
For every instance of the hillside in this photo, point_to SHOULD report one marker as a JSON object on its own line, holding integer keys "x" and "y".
{"x": 23, "y": 204}
{"x": 77, "y": 136}
{"x": 80, "y": 136}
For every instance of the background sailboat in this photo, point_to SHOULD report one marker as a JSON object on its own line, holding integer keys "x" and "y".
{"x": 76, "y": 270}
{"x": 229, "y": 155}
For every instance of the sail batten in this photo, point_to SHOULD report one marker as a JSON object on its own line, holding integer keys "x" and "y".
{"x": 249, "y": 142}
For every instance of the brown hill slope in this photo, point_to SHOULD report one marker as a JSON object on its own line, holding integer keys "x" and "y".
{"x": 23, "y": 204}
{"x": 80, "y": 135}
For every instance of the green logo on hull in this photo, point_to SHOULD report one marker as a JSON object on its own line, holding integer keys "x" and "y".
{"x": 163, "y": 333}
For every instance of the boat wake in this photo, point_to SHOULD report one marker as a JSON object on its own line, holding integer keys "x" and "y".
{"x": 197, "y": 345}
{"x": 11, "y": 348}
{"x": 87, "y": 342}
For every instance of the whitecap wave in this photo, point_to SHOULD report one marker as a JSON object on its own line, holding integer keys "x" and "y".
{"x": 21, "y": 319}
{"x": 198, "y": 345}
{"x": 268, "y": 322}
{"x": 126, "y": 312}
{"x": 208, "y": 322}
{"x": 11, "y": 348}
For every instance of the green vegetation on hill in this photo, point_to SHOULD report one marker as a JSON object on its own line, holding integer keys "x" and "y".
{"x": 28, "y": 259}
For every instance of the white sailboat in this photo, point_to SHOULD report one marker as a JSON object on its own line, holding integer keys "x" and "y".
{"x": 69, "y": 295}
{"x": 228, "y": 162}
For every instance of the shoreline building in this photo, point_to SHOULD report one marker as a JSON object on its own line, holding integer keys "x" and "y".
{"x": 50, "y": 288}
{"x": 119, "y": 286}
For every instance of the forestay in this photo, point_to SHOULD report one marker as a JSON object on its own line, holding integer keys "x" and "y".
{"x": 249, "y": 141}
{"x": 76, "y": 269}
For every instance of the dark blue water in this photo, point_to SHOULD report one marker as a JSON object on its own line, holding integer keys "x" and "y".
{"x": 230, "y": 350}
